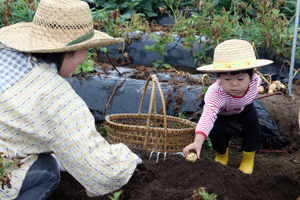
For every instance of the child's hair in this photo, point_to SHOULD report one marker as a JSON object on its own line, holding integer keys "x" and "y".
{"x": 249, "y": 71}
{"x": 56, "y": 58}
{"x": 50, "y": 57}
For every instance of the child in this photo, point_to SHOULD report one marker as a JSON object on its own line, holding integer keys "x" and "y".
{"x": 41, "y": 114}
{"x": 231, "y": 98}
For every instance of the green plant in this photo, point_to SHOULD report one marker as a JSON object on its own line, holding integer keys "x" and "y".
{"x": 266, "y": 24}
{"x": 209, "y": 144}
{"x": 13, "y": 11}
{"x": 182, "y": 115}
{"x": 116, "y": 25}
{"x": 127, "y": 8}
{"x": 260, "y": 23}
{"x": 160, "y": 46}
{"x": 160, "y": 64}
{"x": 201, "y": 194}
{"x": 116, "y": 195}
{"x": 4, "y": 176}
{"x": 146, "y": 8}
{"x": 175, "y": 13}
{"x": 270, "y": 29}
{"x": 137, "y": 23}
{"x": 87, "y": 65}
{"x": 205, "y": 90}
{"x": 107, "y": 21}
{"x": 289, "y": 9}
{"x": 103, "y": 131}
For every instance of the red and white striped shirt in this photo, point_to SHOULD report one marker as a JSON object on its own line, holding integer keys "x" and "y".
{"x": 218, "y": 101}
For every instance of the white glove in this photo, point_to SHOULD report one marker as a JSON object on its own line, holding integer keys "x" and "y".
{"x": 137, "y": 159}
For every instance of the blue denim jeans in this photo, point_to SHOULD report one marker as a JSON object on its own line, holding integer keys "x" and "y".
{"x": 41, "y": 180}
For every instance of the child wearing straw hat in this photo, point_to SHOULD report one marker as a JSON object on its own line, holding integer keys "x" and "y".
{"x": 41, "y": 114}
{"x": 231, "y": 98}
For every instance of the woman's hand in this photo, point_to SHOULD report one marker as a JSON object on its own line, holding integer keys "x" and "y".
{"x": 137, "y": 159}
{"x": 196, "y": 145}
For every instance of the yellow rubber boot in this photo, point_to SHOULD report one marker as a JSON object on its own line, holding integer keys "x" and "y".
{"x": 247, "y": 162}
{"x": 222, "y": 158}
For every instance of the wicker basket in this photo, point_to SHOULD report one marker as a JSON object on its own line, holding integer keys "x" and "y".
{"x": 152, "y": 131}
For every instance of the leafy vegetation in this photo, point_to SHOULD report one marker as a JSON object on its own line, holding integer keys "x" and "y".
{"x": 146, "y": 8}
{"x": 116, "y": 195}
{"x": 13, "y": 11}
{"x": 201, "y": 194}
{"x": 103, "y": 131}
{"x": 267, "y": 24}
{"x": 160, "y": 47}
{"x": 4, "y": 176}
{"x": 87, "y": 65}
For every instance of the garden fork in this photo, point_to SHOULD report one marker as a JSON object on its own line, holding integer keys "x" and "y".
{"x": 165, "y": 155}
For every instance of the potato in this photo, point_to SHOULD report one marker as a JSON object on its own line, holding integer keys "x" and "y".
{"x": 281, "y": 86}
{"x": 277, "y": 82}
{"x": 270, "y": 92}
{"x": 261, "y": 90}
{"x": 273, "y": 87}
{"x": 191, "y": 157}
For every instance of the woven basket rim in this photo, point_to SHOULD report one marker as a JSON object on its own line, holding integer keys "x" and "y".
{"x": 144, "y": 133}
{"x": 146, "y": 115}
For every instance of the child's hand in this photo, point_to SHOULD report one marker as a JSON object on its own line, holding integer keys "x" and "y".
{"x": 196, "y": 145}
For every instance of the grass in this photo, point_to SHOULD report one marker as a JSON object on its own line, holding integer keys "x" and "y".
{"x": 4, "y": 176}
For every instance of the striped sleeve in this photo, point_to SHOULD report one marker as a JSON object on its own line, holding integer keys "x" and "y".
{"x": 213, "y": 103}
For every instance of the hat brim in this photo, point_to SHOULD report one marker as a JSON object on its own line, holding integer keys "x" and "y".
{"x": 259, "y": 63}
{"x": 17, "y": 36}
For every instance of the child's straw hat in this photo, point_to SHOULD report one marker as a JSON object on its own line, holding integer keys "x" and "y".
{"x": 234, "y": 55}
{"x": 57, "y": 26}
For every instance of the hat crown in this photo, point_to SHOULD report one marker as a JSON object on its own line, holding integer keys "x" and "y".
{"x": 234, "y": 55}
{"x": 60, "y": 22}
{"x": 233, "y": 50}
{"x": 58, "y": 26}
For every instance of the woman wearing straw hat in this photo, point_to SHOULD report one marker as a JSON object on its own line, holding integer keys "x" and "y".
{"x": 231, "y": 98}
{"x": 41, "y": 114}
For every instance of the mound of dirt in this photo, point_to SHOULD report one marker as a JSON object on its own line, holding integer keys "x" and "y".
{"x": 284, "y": 109}
{"x": 276, "y": 174}
{"x": 276, "y": 170}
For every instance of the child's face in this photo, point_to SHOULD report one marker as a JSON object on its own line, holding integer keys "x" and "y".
{"x": 235, "y": 85}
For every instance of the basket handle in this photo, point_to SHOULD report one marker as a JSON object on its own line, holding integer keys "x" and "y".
{"x": 153, "y": 102}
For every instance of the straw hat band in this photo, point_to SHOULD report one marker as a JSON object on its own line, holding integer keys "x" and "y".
{"x": 235, "y": 64}
{"x": 234, "y": 55}
{"x": 83, "y": 38}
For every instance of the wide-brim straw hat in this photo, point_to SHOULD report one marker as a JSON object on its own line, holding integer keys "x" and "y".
{"x": 234, "y": 55}
{"x": 57, "y": 26}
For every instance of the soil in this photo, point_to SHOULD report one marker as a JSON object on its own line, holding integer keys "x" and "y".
{"x": 276, "y": 170}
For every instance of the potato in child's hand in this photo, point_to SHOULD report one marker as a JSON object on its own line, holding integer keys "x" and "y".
{"x": 191, "y": 157}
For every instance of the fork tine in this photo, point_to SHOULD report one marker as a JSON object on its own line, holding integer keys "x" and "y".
{"x": 151, "y": 154}
{"x": 157, "y": 157}
{"x": 165, "y": 155}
